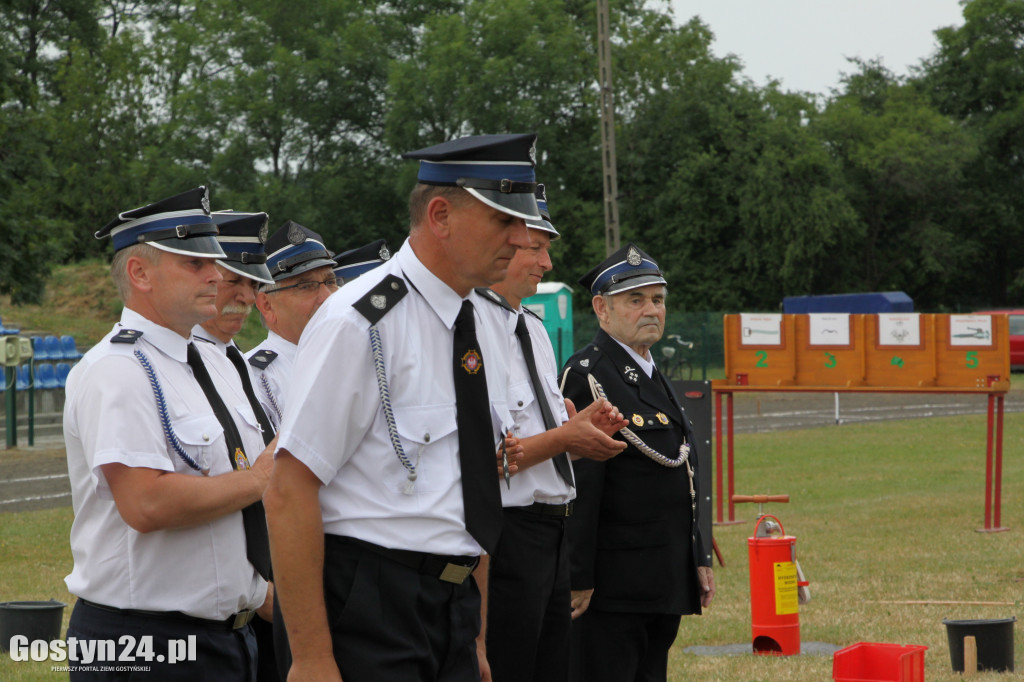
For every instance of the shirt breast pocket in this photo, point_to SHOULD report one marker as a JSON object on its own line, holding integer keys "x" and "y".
{"x": 520, "y": 397}
{"x": 245, "y": 412}
{"x": 202, "y": 438}
{"x": 429, "y": 438}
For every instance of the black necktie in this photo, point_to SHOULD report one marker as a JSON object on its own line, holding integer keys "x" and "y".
{"x": 481, "y": 496}
{"x": 238, "y": 361}
{"x": 561, "y": 460}
{"x": 257, "y": 543}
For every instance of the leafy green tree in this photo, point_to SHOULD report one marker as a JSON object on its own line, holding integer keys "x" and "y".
{"x": 903, "y": 165}
{"x": 976, "y": 77}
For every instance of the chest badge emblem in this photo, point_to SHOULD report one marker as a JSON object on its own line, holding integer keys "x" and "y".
{"x": 472, "y": 362}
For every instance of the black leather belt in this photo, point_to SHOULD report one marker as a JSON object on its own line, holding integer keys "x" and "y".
{"x": 239, "y": 620}
{"x": 451, "y": 569}
{"x": 562, "y": 510}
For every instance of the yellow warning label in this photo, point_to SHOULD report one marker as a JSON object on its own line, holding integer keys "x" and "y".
{"x": 786, "y": 601}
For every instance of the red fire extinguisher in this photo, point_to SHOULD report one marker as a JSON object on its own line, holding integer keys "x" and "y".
{"x": 777, "y": 585}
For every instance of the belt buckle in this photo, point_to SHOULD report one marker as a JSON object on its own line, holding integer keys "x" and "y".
{"x": 242, "y": 618}
{"x": 455, "y": 573}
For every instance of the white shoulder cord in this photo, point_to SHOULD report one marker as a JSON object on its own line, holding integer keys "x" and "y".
{"x": 385, "y": 400}
{"x": 684, "y": 448}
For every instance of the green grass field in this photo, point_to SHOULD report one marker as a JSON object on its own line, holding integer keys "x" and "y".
{"x": 883, "y": 513}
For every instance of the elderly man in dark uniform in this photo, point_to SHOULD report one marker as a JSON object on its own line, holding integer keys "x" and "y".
{"x": 636, "y": 550}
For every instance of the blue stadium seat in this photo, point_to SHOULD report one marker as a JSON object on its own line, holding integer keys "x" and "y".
{"x": 52, "y": 345}
{"x": 22, "y": 378}
{"x": 63, "y": 369}
{"x": 46, "y": 376}
{"x": 39, "y": 348}
{"x": 68, "y": 348}
{"x": 7, "y": 330}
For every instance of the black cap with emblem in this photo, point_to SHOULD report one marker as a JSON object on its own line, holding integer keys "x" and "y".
{"x": 242, "y": 236}
{"x": 178, "y": 224}
{"x": 496, "y": 169}
{"x": 628, "y": 268}
{"x": 293, "y": 250}
{"x": 359, "y": 261}
{"x": 544, "y": 224}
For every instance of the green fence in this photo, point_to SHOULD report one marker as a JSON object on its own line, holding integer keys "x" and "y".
{"x": 703, "y": 329}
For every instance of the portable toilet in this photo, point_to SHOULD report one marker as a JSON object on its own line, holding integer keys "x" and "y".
{"x": 553, "y": 304}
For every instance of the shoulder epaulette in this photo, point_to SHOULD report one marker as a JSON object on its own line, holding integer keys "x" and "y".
{"x": 262, "y": 359}
{"x": 495, "y": 298}
{"x": 530, "y": 312}
{"x": 585, "y": 358}
{"x": 126, "y": 336}
{"x": 382, "y": 298}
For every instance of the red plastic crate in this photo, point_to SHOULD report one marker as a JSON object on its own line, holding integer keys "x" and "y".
{"x": 872, "y": 662}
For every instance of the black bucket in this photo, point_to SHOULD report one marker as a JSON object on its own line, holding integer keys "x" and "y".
{"x": 33, "y": 619}
{"x": 994, "y": 639}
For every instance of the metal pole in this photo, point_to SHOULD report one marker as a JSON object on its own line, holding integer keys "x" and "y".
{"x": 611, "y": 183}
{"x": 31, "y": 402}
{"x": 12, "y": 407}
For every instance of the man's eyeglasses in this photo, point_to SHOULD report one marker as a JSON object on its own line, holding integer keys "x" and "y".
{"x": 310, "y": 287}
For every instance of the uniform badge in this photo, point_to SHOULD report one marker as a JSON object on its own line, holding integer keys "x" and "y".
{"x": 384, "y": 253}
{"x": 542, "y": 192}
{"x": 205, "y": 201}
{"x": 472, "y": 362}
{"x": 295, "y": 234}
{"x": 533, "y": 153}
{"x": 378, "y": 301}
{"x": 585, "y": 362}
{"x": 264, "y": 231}
{"x": 638, "y": 420}
{"x": 126, "y": 336}
{"x": 633, "y": 257}
{"x": 241, "y": 461}
{"x": 662, "y": 417}
{"x": 631, "y": 374}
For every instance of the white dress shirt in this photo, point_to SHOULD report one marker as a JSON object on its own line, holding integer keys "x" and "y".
{"x": 335, "y": 423}
{"x": 111, "y": 416}
{"x": 271, "y": 383}
{"x": 541, "y": 482}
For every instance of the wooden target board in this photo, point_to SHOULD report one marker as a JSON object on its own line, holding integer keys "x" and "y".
{"x": 912, "y": 352}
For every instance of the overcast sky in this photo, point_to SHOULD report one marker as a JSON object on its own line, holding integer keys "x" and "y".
{"x": 804, "y": 43}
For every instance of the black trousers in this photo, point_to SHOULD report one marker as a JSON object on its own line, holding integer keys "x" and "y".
{"x": 528, "y": 611}
{"x": 390, "y": 623}
{"x": 267, "y": 668}
{"x": 282, "y": 650}
{"x": 622, "y": 647}
{"x": 222, "y": 655}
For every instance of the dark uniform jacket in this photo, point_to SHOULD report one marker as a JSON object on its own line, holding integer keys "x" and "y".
{"x": 633, "y": 536}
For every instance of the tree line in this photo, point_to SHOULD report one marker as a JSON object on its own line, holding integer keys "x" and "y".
{"x": 744, "y": 193}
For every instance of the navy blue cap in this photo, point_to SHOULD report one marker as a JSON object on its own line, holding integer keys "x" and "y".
{"x": 242, "y": 236}
{"x": 628, "y": 268}
{"x": 179, "y": 224}
{"x": 496, "y": 169}
{"x": 293, "y": 250}
{"x": 545, "y": 217}
{"x": 355, "y": 262}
